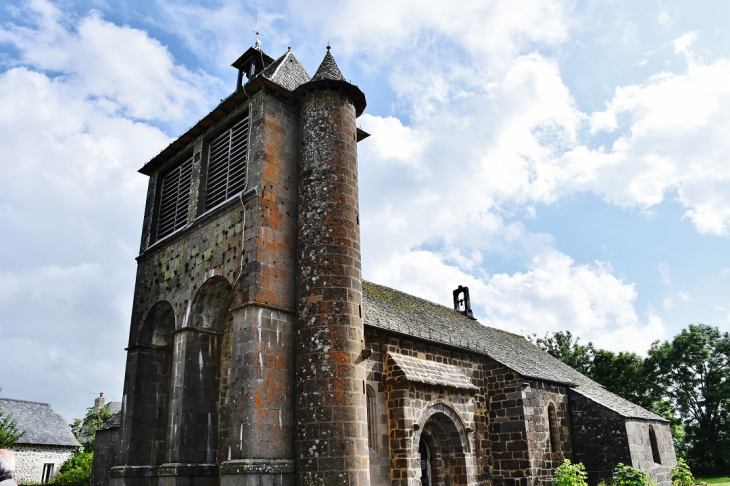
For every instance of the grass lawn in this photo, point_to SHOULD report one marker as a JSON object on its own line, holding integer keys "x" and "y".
{"x": 717, "y": 481}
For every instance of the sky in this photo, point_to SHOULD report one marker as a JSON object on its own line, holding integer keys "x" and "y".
{"x": 568, "y": 161}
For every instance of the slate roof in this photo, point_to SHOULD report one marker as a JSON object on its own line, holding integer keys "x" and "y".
{"x": 328, "y": 69}
{"x": 392, "y": 310}
{"x": 430, "y": 372}
{"x": 42, "y": 425}
{"x": 287, "y": 72}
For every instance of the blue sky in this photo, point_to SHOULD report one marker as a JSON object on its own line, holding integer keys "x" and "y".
{"x": 567, "y": 160}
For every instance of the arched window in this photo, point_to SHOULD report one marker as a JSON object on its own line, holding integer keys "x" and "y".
{"x": 372, "y": 422}
{"x": 553, "y": 424}
{"x": 654, "y": 445}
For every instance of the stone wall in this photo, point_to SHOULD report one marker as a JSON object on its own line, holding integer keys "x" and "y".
{"x": 105, "y": 455}
{"x": 548, "y": 448}
{"x": 29, "y": 460}
{"x": 643, "y": 457}
{"x": 408, "y": 411}
{"x": 599, "y": 436}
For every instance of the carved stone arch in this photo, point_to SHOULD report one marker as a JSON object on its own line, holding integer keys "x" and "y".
{"x": 441, "y": 437}
{"x": 442, "y": 408}
{"x": 210, "y": 305}
{"x": 158, "y": 326}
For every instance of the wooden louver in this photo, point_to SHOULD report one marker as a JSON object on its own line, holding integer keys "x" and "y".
{"x": 174, "y": 197}
{"x": 227, "y": 158}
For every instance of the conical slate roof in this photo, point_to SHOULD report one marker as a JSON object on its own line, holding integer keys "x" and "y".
{"x": 328, "y": 69}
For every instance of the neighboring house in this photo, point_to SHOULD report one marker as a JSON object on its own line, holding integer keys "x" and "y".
{"x": 46, "y": 444}
{"x": 258, "y": 355}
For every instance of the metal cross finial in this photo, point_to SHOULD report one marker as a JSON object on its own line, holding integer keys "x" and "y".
{"x": 328, "y": 45}
{"x": 258, "y": 41}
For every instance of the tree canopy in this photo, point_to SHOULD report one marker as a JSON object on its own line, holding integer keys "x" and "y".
{"x": 9, "y": 430}
{"x": 686, "y": 380}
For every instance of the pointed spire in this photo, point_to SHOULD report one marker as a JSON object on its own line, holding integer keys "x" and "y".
{"x": 328, "y": 69}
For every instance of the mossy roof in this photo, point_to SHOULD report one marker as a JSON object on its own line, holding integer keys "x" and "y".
{"x": 395, "y": 311}
{"x": 41, "y": 424}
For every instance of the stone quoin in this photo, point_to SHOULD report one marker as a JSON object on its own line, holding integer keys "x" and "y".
{"x": 257, "y": 355}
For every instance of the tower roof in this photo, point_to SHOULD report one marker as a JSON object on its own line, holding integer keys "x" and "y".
{"x": 287, "y": 72}
{"x": 328, "y": 69}
{"x": 329, "y": 77}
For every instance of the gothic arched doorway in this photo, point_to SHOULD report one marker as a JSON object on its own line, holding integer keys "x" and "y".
{"x": 443, "y": 448}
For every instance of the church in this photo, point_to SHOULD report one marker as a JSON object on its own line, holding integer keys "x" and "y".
{"x": 257, "y": 355}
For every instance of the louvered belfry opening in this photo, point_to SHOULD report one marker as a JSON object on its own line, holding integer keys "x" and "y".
{"x": 174, "y": 197}
{"x": 227, "y": 158}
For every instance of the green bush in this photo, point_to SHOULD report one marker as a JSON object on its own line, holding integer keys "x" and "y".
{"x": 569, "y": 474}
{"x": 625, "y": 475}
{"x": 681, "y": 475}
{"x": 76, "y": 471}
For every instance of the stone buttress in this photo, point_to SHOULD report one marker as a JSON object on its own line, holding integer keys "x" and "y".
{"x": 330, "y": 403}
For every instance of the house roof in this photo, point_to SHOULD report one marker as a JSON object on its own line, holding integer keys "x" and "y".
{"x": 42, "y": 425}
{"x": 392, "y": 310}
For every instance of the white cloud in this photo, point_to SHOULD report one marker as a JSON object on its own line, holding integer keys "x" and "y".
{"x": 128, "y": 71}
{"x": 70, "y": 198}
{"x": 554, "y": 293}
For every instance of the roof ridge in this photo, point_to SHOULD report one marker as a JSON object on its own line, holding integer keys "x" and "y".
{"x": 25, "y": 401}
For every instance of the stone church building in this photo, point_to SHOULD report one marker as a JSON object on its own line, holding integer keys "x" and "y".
{"x": 258, "y": 356}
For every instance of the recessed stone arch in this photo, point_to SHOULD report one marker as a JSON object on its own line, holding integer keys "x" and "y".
{"x": 158, "y": 325}
{"x": 442, "y": 435}
{"x": 146, "y": 403}
{"x": 210, "y": 305}
{"x": 194, "y": 421}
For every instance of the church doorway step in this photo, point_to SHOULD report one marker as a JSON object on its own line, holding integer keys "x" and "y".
{"x": 442, "y": 451}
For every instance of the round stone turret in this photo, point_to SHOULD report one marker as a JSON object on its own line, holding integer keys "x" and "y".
{"x": 331, "y": 425}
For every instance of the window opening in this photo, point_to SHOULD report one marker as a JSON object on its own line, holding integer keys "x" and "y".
{"x": 654, "y": 446}
{"x": 372, "y": 425}
{"x": 47, "y": 473}
{"x": 553, "y": 424}
{"x": 227, "y": 156}
{"x": 174, "y": 197}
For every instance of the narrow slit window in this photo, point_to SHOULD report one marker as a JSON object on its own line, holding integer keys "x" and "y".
{"x": 654, "y": 446}
{"x": 174, "y": 197}
{"x": 553, "y": 424}
{"x": 372, "y": 423}
{"x": 227, "y": 157}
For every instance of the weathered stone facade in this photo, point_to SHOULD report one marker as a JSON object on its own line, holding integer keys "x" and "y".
{"x": 258, "y": 356}
{"x": 31, "y": 459}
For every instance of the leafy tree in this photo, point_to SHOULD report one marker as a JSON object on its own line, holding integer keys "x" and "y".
{"x": 9, "y": 430}
{"x": 625, "y": 475}
{"x": 571, "y": 352}
{"x": 681, "y": 475}
{"x": 85, "y": 429}
{"x": 76, "y": 471}
{"x": 694, "y": 368}
{"x": 569, "y": 474}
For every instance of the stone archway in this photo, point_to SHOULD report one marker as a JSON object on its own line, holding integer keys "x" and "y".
{"x": 194, "y": 422}
{"x": 442, "y": 448}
